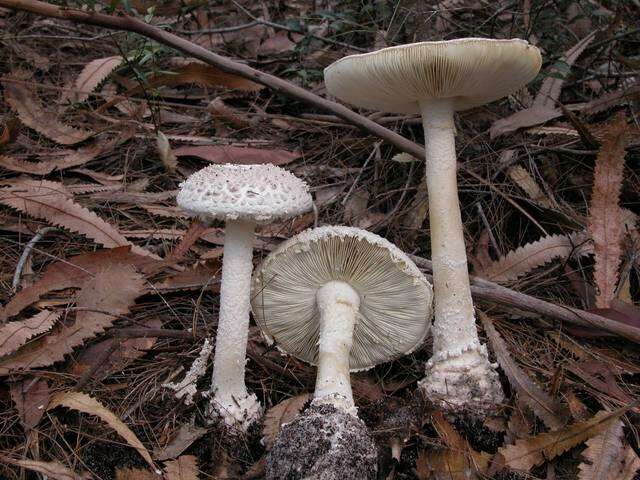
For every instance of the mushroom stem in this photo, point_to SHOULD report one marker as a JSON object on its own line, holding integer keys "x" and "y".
{"x": 231, "y": 399}
{"x": 338, "y": 304}
{"x": 459, "y": 371}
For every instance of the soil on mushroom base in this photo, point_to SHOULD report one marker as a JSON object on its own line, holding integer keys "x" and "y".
{"x": 323, "y": 443}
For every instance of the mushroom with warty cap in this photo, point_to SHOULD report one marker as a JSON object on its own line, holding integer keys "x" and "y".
{"x": 343, "y": 299}
{"x": 243, "y": 196}
{"x": 435, "y": 79}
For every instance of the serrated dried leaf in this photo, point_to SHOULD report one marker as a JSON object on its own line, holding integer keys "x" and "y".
{"x": 51, "y": 201}
{"x": 458, "y": 461}
{"x": 187, "y": 434}
{"x": 183, "y": 468}
{"x": 31, "y": 113}
{"x": 30, "y": 397}
{"x": 135, "y": 474}
{"x": 86, "y": 404}
{"x": 627, "y": 465}
{"x": 404, "y": 157}
{"x": 92, "y": 75}
{"x": 191, "y": 71}
{"x": 544, "y": 105}
{"x": 550, "y": 411}
{"x": 604, "y": 223}
{"x": 15, "y": 334}
{"x": 602, "y": 453}
{"x": 167, "y": 156}
{"x": 111, "y": 290}
{"x": 237, "y": 155}
{"x": 221, "y": 111}
{"x": 522, "y": 260}
{"x": 279, "y": 414}
{"x": 526, "y": 182}
{"x": 74, "y": 272}
{"x": 612, "y": 99}
{"x": 53, "y": 470}
{"x": 529, "y": 452}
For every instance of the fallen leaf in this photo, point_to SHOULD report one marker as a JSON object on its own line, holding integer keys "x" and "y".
{"x": 457, "y": 461}
{"x": 112, "y": 290}
{"x": 529, "y": 452}
{"x": 74, "y": 272}
{"x": 183, "y": 468}
{"x": 237, "y": 155}
{"x": 544, "y": 105}
{"x": 32, "y": 114}
{"x": 602, "y": 453}
{"x": 15, "y": 334}
{"x": 627, "y": 465}
{"x": 611, "y": 99}
{"x": 52, "y": 202}
{"x": 533, "y": 255}
{"x": 125, "y": 352}
{"x": 92, "y": 75}
{"x": 282, "y": 413}
{"x": 550, "y": 411}
{"x": 279, "y": 43}
{"x": 86, "y": 404}
{"x": 521, "y": 177}
{"x": 604, "y": 223}
{"x": 187, "y": 434}
{"x": 53, "y": 470}
{"x": 195, "y": 231}
{"x": 135, "y": 474}
{"x": 30, "y": 397}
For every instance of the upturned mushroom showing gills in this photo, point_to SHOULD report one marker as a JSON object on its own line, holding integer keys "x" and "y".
{"x": 343, "y": 299}
{"x": 436, "y": 79}
{"x": 243, "y": 196}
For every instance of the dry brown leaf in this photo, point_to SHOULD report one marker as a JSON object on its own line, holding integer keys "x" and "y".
{"x": 550, "y": 411}
{"x": 167, "y": 156}
{"x": 221, "y": 111}
{"x": 51, "y": 201}
{"x": 124, "y": 353}
{"x": 53, "y": 470}
{"x": 31, "y": 113}
{"x": 627, "y": 465}
{"x": 602, "y": 453}
{"x": 135, "y": 474}
{"x": 92, "y": 75}
{"x": 529, "y": 452}
{"x": 183, "y": 468}
{"x": 544, "y": 105}
{"x": 30, "y": 397}
{"x": 526, "y": 182}
{"x": 237, "y": 155}
{"x": 283, "y": 412}
{"x": 111, "y": 290}
{"x": 15, "y": 334}
{"x": 86, "y": 404}
{"x": 74, "y": 272}
{"x": 611, "y": 99}
{"x": 458, "y": 461}
{"x": 536, "y": 254}
{"x": 605, "y": 216}
{"x": 187, "y": 434}
{"x": 191, "y": 71}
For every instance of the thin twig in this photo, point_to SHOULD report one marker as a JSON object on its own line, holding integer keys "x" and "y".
{"x": 25, "y": 254}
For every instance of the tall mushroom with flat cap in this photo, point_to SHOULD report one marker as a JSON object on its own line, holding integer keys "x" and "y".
{"x": 243, "y": 196}
{"x": 343, "y": 299}
{"x": 435, "y": 79}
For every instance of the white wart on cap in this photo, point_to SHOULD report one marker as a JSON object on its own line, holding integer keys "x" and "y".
{"x": 242, "y": 196}
{"x": 395, "y": 298}
{"x": 470, "y": 71}
{"x": 260, "y": 193}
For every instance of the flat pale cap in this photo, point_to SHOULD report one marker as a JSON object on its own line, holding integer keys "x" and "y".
{"x": 395, "y": 297}
{"x": 470, "y": 71}
{"x": 260, "y": 193}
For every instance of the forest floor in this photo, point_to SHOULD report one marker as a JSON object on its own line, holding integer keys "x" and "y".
{"x": 119, "y": 288}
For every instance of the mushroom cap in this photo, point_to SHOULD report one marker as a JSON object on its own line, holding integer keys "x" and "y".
{"x": 469, "y": 71}
{"x": 395, "y": 298}
{"x": 259, "y": 193}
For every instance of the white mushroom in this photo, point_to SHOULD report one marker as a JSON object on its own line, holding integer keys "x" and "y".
{"x": 243, "y": 196}
{"x": 343, "y": 299}
{"x": 435, "y": 79}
